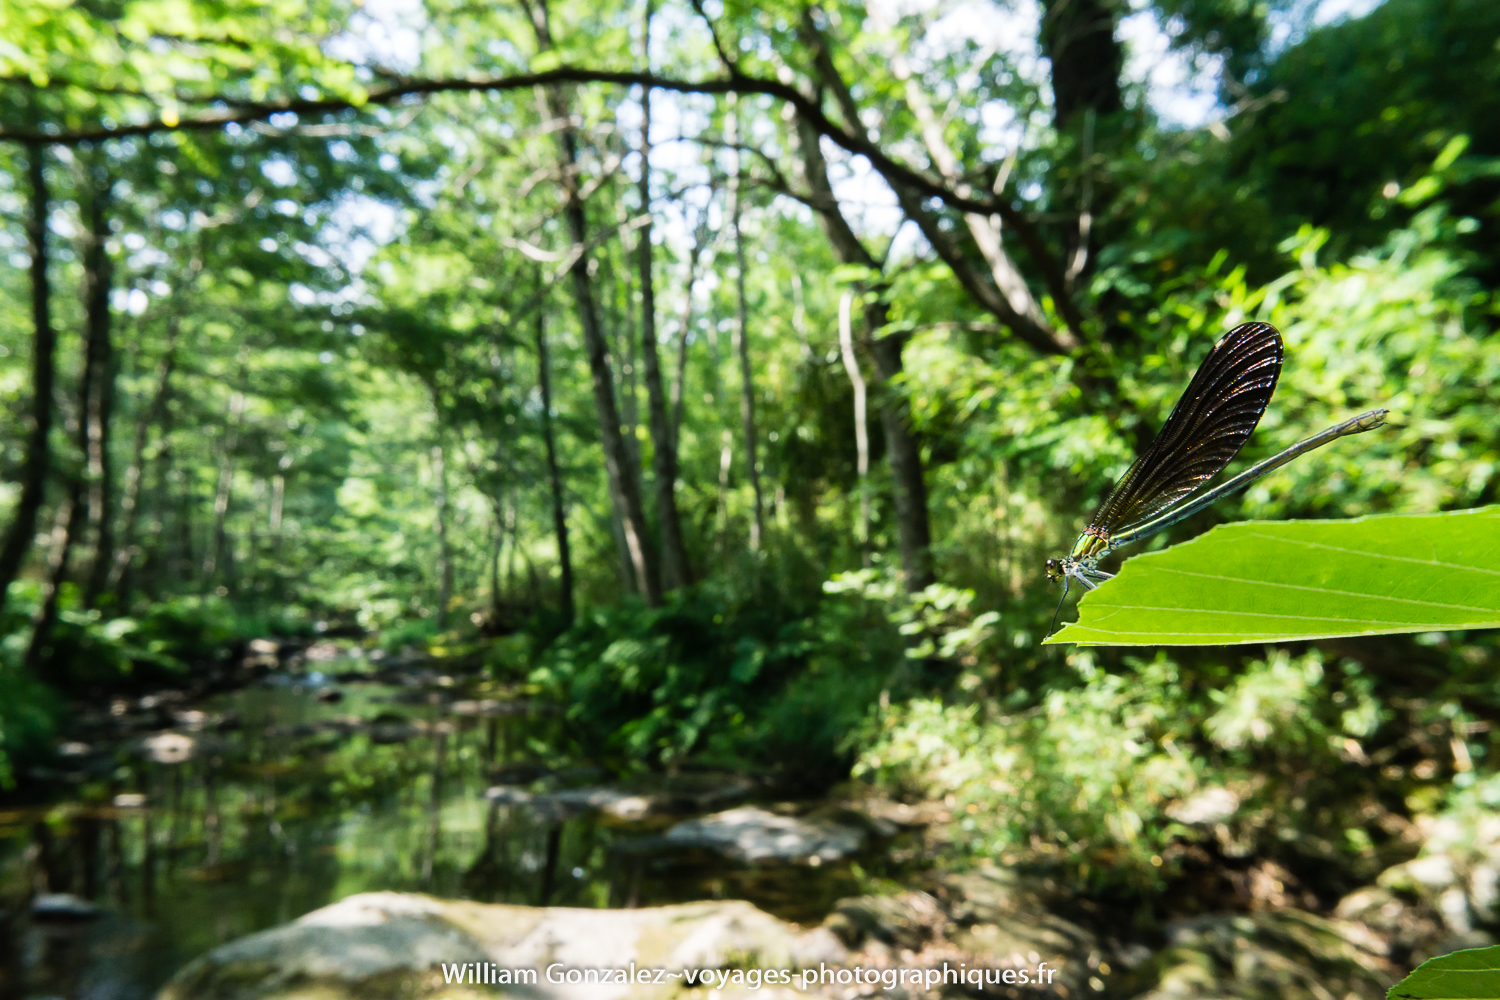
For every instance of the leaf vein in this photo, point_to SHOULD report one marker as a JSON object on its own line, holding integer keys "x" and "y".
{"x": 1325, "y": 590}
{"x": 1375, "y": 555}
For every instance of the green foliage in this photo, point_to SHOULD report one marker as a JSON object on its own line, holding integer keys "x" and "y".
{"x": 1278, "y": 581}
{"x": 1361, "y": 106}
{"x": 714, "y": 670}
{"x": 1123, "y": 779}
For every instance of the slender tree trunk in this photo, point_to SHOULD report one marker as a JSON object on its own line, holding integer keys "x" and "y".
{"x": 624, "y": 477}
{"x": 66, "y": 528}
{"x": 187, "y": 509}
{"x": 903, "y": 450}
{"x": 554, "y": 476}
{"x": 799, "y": 317}
{"x": 495, "y": 606}
{"x": 904, "y": 453}
{"x": 98, "y": 277}
{"x": 19, "y": 536}
{"x": 73, "y": 514}
{"x": 445, "y": 551}
{"x": 277, "y": 514}
{"x": 620, "y": 322}
{"x": 512, "y": 527}
{"x": 224, "y": 491}
{"x": 674, "y": 565}
{"x": 742, "y": 347}
{"x": 861, "y": 428}
{"x": 130, "y": 500}
{"x": 679, "y": 384}
{"x": 726, "y": 463}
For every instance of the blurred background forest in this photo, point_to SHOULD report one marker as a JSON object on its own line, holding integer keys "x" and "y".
{"x": 724, "y": 374}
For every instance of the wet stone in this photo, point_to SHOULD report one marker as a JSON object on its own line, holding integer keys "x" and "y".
{"x": 753, "y": 835}
{"x": 169, "y": 748}
{"x": 62, "y": 906}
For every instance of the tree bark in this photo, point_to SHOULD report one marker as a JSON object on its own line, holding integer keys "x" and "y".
{"x": 904, "y": 453}
{"x": 20, "y": 535}
{"x": 135, "y": 473}
{"x": 224, "y": 491}
{"x": 999, "y": 287}
{"x": 903, "y": 450}
{"x": 679, "y": 384}
{"x": 68, "y": 525}
{"x": 554, "y": 476}
{"x": 861, "y": 428}
{"x": 495, "y": 552}
{"x": 742, "y": 348}
{"x": 623, "y": 475}
{"x": 1078, "y": 36}
{"x": 674, "y": 565}
{"x": 445, "y": 551}
{"x": 100, "y": 404}
{"x": 73, "y": 515}
{"x": 156, "y": 554}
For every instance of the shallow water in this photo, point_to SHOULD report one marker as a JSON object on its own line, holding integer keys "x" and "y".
{"x": 257, "y": 806}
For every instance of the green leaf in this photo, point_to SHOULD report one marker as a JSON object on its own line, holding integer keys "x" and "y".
{"x": 1261, "y": 581}
{"x": 1464, "y": 975}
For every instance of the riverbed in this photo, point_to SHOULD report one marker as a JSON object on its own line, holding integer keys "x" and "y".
{"x": 178, "y": 824}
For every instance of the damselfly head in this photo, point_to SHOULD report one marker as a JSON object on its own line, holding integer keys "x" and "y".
{"x": 1054, "y": 569}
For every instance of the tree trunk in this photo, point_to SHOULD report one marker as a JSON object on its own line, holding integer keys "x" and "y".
{"x": 277, "y": 515}
{"x": 73, "y": 514}
{"x": 624, "y": 477}
{"x": 554, "y": 477}
{"x": 904, "y": 453}
{"x": 903, "y": 450}
{"x": 726, "y": 463}
{"x": 130, "y": 500}
{"x": 445, "y": 551}
{"x": 619, "y": 317}
{"x": 1078, "y": 36}
{"x": 742, "y": 347}
{"x": 224, "y": 491}
{"x": 19, "y": 536}
{"x": 495, "y": 606}
{"x": 674, "y": 565}
{"x": 65, "y": 530}
{"x": 98, "y": 277}
{"x": 679, "y": 384}
{"x": 861, "y": 428}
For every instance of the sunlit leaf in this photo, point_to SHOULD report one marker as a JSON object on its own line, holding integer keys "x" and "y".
{"x": 1464, "y": 975}
{"x": 1276, "y": 581}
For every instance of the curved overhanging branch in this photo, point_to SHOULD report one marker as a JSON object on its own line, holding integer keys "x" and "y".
{"x": 241, "y": 113}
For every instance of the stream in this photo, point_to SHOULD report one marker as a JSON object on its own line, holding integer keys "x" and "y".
{"x": 179, "y": 825}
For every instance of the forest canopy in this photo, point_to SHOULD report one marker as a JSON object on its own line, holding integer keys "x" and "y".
{"x": 728, "y": 371}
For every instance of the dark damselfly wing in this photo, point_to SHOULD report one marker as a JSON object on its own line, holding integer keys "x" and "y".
{"x": 1209, "y": 424}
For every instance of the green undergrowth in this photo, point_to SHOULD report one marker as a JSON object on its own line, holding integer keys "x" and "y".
{"x": 93, "y": 657}
{"x": 742, "y": 675}
{"x": 1129, "y": 774}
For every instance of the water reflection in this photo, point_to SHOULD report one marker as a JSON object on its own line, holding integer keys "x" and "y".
{"x": 260, "y": 805}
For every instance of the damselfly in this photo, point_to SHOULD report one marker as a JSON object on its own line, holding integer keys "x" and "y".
{"x": 1206, "y": 429}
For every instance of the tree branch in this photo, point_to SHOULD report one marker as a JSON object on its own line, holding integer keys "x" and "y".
{"x": 856, "y": 144}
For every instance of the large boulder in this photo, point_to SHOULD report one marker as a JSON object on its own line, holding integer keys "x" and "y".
{"x": 394, "y": 946}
